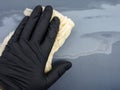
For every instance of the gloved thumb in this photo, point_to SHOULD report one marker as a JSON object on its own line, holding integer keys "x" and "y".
{"x": 59, "y": 68}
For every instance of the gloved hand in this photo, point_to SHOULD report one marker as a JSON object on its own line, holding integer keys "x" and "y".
{"x": 23, "y": 61}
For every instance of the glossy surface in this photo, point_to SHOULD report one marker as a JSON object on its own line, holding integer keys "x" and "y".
{"x": 93, "y": 46}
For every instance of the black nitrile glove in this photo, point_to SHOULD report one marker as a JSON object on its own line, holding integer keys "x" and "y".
{"x": 23, "y": 61}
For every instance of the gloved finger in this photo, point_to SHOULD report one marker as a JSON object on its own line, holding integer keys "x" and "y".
{"x": 19, "y": 29}
{"x": 59, "y": 68}
{"x": 49, "y": 40}
{"x": 42, "y": 25}
{"x": 34, "y": 17}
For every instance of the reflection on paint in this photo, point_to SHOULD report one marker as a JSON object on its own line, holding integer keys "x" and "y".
{"x": 95, "y": 32}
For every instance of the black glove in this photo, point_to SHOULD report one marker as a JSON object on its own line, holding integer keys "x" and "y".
{"x": 23, "y": 61}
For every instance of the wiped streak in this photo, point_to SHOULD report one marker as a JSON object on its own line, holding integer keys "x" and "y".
{"x": 95, "y": 32}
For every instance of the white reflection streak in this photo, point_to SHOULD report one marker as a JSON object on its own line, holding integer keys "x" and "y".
{"x": 95, "y": 32}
